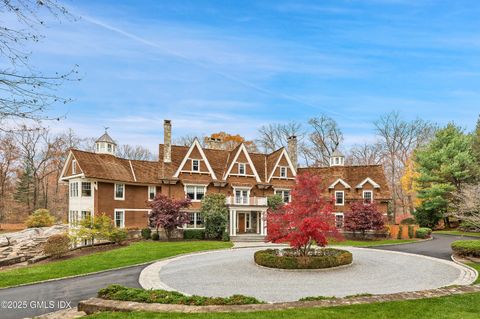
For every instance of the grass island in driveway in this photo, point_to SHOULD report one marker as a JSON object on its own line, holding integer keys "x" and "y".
{"x": 133, "y": 254}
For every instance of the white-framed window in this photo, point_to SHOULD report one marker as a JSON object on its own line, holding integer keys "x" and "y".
{"x": 195, "y": 192}
{"x": 284, "y": 194}
{"x": 152, "y": 192}
{"x": 119, "y": 218}
{"x": 195, "y": 220}
{"x": 120, "y": 191}
{"x": 242, "y": 169}
{"x": 73, "y": 217}
{"x": 339, "y": 220}
{"x": 283, "y": 171}
{"x": 74, "y": 189}
{"x": 195, "y": 165}
{"x": 242, "y": 196}
{"x": 74, "y": 167}
{"x": 339, "y": 198}
{"x": 109, "y": 147}
{"x": 86, "y": 189}
{"x": 367, "y": 197}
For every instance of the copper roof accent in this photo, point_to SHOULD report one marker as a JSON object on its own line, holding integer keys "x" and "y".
{"x": 352, "y": 175}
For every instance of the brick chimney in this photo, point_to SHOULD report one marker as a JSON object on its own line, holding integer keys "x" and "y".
{"x": 167, "y": 141}
{"x": 213, "y": 143}
{"x": 292, "y": 150}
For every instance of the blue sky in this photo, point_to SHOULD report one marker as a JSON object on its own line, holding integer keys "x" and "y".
{"x": 235, "y": 65}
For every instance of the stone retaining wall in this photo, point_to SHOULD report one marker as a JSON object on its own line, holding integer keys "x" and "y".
{"x": 93, "y": 305}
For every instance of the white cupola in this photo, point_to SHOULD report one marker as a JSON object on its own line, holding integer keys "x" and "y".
{"x": 337, "y": 158}
{"x": 105, "y": 144}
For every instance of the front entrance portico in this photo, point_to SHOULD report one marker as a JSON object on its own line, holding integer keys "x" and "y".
{"x": 251, "y": 221}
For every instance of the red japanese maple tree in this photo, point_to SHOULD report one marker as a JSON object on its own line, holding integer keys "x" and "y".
{"x": 306, "y": 220}
{"x": 167, "y": 213}
{"x": 363, "y": 217}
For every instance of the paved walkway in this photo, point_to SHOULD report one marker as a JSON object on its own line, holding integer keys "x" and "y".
{"x": 224, "y": 273}
{"x": 438, "y": 247}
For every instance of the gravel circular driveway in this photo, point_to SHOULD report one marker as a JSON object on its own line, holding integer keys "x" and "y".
{"x": 228, "y": 272}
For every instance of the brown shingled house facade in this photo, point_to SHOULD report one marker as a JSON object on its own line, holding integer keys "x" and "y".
{"x": 100, "y": 182}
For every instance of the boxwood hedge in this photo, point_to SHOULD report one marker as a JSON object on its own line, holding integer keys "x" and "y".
{"x": 325, "y": 258}
{"x": 423, "y": 232}
{"x": 194, "y": 234}
{"x": 467, "y": 247}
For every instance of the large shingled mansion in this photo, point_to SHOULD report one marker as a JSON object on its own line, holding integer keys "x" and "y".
{"x": 100, "y": 182}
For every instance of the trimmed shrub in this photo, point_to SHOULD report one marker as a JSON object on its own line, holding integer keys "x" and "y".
{"x": 117, "y": 292}
{"x": 411, "y": 231}
{"x": 146, "y": 233}
{"x": 423, "y": 232}
{"x": 194, "y": 234}
{"x": 323, "y": 258}
{"x": 467, "y": 247}
{"x": 408, "y": 221}
{"x": 225, "y": 236}
{"x": 40, "y": 218}
{"x": 400, "y": 232}
{"x": 57, "y": 245}
{"x": 155, "y": 236}
{"x": 118, "y": 236}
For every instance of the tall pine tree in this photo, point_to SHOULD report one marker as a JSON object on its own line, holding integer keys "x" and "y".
{"x": 24, "y": 190}
{"x": 444, "y": 166}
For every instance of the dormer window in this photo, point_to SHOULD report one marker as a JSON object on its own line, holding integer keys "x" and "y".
{"x": 195, "y": 165}
{"x": 283, "y": 171}
{"x": 74, "y": 167}
{"x": 241, "y": 169}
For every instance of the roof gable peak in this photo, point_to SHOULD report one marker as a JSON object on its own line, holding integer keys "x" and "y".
{"x": 242, "y": 148}
{"x": 195, "y": 144}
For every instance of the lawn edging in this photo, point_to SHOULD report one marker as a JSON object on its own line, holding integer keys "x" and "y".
{"x": 94, "y": 305}
{"x": 107, "y": 270}
{"x": 455, "y": 260}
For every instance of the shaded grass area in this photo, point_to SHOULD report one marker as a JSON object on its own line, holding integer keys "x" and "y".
{"x": 136, "y": 253}
{"x": 457, "y": 233}
{"x": 466, "y": 306}
{"x": 370, "y": 243}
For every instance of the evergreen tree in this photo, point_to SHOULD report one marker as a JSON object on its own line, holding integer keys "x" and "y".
{"x": 444, "y": 166}
{"x": 24, "y": 190}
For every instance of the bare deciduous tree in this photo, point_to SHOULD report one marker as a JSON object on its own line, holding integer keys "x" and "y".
{"x": 324, "y": 140}
{"x": 274, "y": 136}
{"x": 136, "y": 152}
{"x": 26, "y": 93}
{"x": 8, "y": 162}
{"x": 468, "y": 205}
{"x": 187, "y": 140}
{"x": 365, "y": 154}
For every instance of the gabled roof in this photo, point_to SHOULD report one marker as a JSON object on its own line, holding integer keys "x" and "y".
{"x": 279, "y": 154}
{"x": 194, "y": 145}
{"x": 109, "y": 167}
{"x": 242, "y": 149}
{"x": 353, "y": 175}
{"x": 368, "y": 180}
{"x": 341, "y": 181}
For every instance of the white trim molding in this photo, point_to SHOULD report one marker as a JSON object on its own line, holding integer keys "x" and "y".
{"x": 122, "y": 220}
{"x": 292, "y": 168}
{"x": 202, "y": 154}
{"x": 368, "y": 180}
{"x": 243, "y": 149}
{"x": 343, "y": 198}
{"x": 341, "y": 181}
{"x": 367, "y": 191}
{"x": 115, "y": 191}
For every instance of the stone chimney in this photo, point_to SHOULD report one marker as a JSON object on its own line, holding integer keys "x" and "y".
{"x": 167, "y": 141}
{"x": 292, "y": 150}
{"x": 213, "y": 143}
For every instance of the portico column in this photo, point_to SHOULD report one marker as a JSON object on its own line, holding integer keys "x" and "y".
{"x": 262, "y": 223}
{"x": 230, "y": 223}
{"x": 265, "y": 222}
{"x": 234, "y": 223}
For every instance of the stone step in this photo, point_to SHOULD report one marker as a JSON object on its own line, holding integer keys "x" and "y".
{"x": 248, "y": 238}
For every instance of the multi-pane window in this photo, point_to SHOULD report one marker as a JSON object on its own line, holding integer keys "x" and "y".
{"x": 195, "y": 220}
{"x": 73, "y": 217}
{"x": 195, "y": 192}
{"x": 152, "y": 192}
{"x": 74, "y": 189}
{"x": 120, "y": 218}
{"x": 339, "y": 198}
{"x": 367, "y": 197}
{"x": 74, "y": 167}
{"x": 283, "y": 171}
{"x": 284, "y": 194}
{"x": 339, "y": 220}
{"x": 119, "y": 191}
{"x": 195, "y": 165}
{"x": 85, "y": 214}
{"x": 86, "y": 189}
{"x": 241, "y": 169}
{"x": 241, "y": 196}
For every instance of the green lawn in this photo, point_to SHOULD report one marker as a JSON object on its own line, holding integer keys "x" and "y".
{"x": 477, "y": 267}
{"x": 452, "y": 307}
{"x": 369, "y": 243}
{"x": 135, "y": 253}
{"x": 457, "y": 232}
